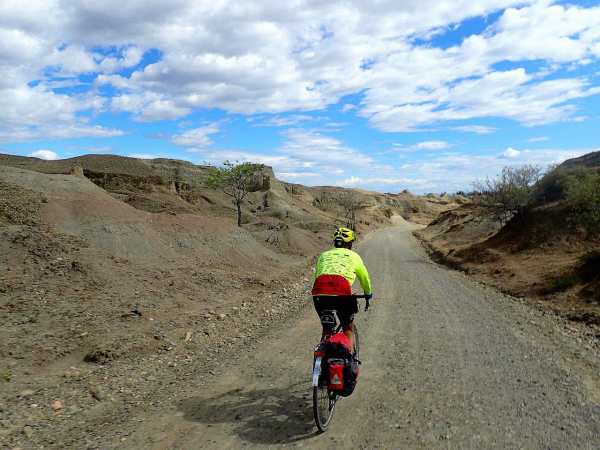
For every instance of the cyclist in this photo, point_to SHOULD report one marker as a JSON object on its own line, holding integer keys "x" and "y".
{"x": 335, "y": 272}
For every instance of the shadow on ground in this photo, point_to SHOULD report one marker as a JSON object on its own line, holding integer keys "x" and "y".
{"x": 266, "y": 416}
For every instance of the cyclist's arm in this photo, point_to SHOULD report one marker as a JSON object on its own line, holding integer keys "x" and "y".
{"x": 363, "y": 275}
{"x": 317, "y": 269}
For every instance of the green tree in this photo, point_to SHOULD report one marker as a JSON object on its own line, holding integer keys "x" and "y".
{"x": 235, "y": 180}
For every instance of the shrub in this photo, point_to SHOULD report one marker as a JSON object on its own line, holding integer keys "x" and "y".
{"x": 563, "y": 282}
{"x": 552, "y": 186}
{"x": 6, "y": 376}
{"x": 278, "y": 213}
{"x": 583, "y": 198}
{"x": 589, "y": 266}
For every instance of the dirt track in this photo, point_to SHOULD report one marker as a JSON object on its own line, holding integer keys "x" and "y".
{"x": 446, "y": 364}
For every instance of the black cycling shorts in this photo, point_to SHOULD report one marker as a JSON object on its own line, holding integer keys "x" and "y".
{"x": 345, "y": 307}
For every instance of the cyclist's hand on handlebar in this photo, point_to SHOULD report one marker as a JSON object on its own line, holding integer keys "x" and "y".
{"x": 368, "y": 298}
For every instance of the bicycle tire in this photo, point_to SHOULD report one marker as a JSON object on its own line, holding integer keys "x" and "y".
{"x": 356, "y": 341}
{"x": 323, "y": 407}
{"x": 323, "y": 402}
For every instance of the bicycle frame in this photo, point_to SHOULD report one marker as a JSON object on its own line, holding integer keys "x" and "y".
{"x": 331, "y": 325}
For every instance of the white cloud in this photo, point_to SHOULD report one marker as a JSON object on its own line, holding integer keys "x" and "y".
{"x": 285, "y": 121}
{"x": 301, "y": 177}
{"x": 568, "y": 32}
{"x": 131, "y": 56}
{"x": 302, "y": 149}
{"x": 329, "y": 127}
{"x": 477, "y": 129}
{"x": 44, "y": 154}
{"x": 315, "y": 147}
{"x": 432, "y": 145}
{"x": 250, "y": 58}
{"x": 355, "y": 181}
{"x": 511, "y": 153}
{"x": 57, "y": 130}
{"x": 143, "y": 156}
{"x": 352, "y": 181}
{"x": 305, "y": 156}
{"x": 278, "y": 162}
{"x": 458, "y": 171}
{"x": 538, "y": 139}
{"x": 275, "y": 57}
{"x": 18, "y": 46}
{"x": 412, "y": 148}
{"x": 299, "y": 174}
{"x": 148, "y": 107}
{"x": 197, "y": 137}
{"x": 71, "y": 60}
{"x": 508, "y": 94}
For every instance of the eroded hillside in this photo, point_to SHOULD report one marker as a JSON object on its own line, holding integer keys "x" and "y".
{"x": 546, "y": 254}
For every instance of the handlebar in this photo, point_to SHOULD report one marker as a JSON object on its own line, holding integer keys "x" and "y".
{"x": 357, "y": 296}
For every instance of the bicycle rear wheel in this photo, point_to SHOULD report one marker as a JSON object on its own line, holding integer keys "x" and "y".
{"x": 323, "y": 406}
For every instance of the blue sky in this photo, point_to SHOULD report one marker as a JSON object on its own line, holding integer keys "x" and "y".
{"x": 420, "y": 95}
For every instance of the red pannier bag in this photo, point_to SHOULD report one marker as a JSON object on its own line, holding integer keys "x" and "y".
{"x": 336, "y": 374}
{"x": 341, "y": 339}
{"x": 342, "y": 366}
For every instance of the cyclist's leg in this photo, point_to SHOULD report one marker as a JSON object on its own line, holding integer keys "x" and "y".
{"x": 321, "y": 304}
{"x": 347, "y": 307}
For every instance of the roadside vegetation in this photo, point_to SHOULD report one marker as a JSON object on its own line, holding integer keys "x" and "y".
{"x": 510, "y": 193}
{"x": 518, "y": 190}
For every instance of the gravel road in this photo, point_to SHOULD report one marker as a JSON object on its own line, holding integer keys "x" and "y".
{"x": 447, "y": 363}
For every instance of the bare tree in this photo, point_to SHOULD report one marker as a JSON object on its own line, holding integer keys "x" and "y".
{"x": 234, "y": 179}
{"x": 326, "y": 201}
{"x": 350, "y": 202}
{"x": 511, "y": 192}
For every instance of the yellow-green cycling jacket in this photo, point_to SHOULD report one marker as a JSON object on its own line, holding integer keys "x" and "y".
{"x": 336, "y": 271}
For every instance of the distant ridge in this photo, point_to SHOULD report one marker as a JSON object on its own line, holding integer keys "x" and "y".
{"x": 588, "y": 160}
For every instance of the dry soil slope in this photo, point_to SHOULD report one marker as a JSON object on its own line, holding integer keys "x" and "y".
{"x": 94, "y": 291}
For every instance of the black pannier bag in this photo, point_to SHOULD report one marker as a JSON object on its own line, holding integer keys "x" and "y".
{"x": 351, "y": 371}
{"x": 337, "y": 352}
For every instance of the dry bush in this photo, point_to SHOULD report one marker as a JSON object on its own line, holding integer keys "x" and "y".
{"x": 511, "y": 192}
